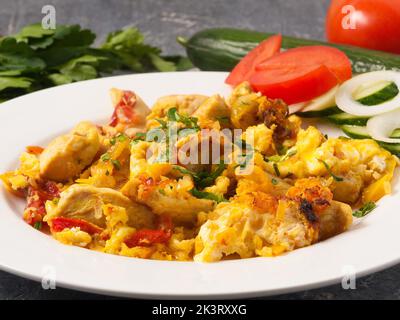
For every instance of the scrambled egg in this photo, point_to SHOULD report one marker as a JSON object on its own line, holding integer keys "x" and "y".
{"x": 113, "y": 188}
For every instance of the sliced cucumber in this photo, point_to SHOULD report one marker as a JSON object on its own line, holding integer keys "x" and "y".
{"x": 393, "y": 148}
{"x": 356, "y": 132}
{"x": 370, "y": 94}
{"x": 321, "y": 106}
{"x": 345, "y": 118}
{"x": 319, "y": 113}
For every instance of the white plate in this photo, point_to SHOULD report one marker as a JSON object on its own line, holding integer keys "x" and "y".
{"x": 372, "y": 244}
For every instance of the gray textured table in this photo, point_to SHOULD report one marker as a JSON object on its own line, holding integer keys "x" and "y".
{"x": 162, "y": 21}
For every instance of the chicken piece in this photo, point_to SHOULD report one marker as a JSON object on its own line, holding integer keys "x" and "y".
{"x": 86, "y": 202}
{"x": 213, "y": 113}
{"x": 66, "y": 156}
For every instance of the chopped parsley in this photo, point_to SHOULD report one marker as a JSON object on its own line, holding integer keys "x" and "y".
{"x": 224, "y": 120}
{"x": 105, "y": 157}
{"x": 335, "y": 177}
{"x": 189, "y": 122}
{"x": 277, "y": 158}
{"x": 38, "y": 225}
{"x": 276, "y": 169}
{"x": 116, "y": 164}
{"x": 203, "y": 179}
{"x": 364, "y": 210}
{"x": 207, "y": 195}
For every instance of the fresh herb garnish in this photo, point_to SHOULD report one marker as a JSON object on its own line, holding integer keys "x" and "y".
{"x": 207, "y": 195}
{"x": 364, "y": 210}
{"x": 274, "y": 181}
{"x": 203, "y": 179}
{"x": 189, "y": 122}
{"x": 105, "y": 157}
{"x": 277, "y": 158}
{"x": 116, "y": 164}
{"x": 276, "y": 169}
{"x": 225, "y": 120}
{"x": 38, "y": 225}
{"x": 335, "y": 177}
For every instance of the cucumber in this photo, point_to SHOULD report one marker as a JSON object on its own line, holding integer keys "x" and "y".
{"x": 320, "y": 113}
{"x": 356, "y": 132}
{"x": 346, "y": 118}
{"x": 381, "y": 94}
{"x": 221, "y": 49}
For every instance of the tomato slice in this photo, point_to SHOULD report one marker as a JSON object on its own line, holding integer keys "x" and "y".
{"x": 245, "y": 68}
{"x": 293, "y": 83}
{"x": 60, "y": 223}
{"x": 334, "y": 59}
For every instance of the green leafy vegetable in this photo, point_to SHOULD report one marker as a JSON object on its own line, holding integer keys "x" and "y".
{"x": 37, "y": 58}
{"x": 203, "y": 179}
{"x": 38, "y": 225}
{"x": 364, "y": 210}
{"x": 189, "y": 122}
{"x": 207, "y": 195}
{"x": 335, "y": 177}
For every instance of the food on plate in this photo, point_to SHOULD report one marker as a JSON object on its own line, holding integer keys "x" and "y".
{"x": 364, "y": 23}
{"x": 126, "y": 187}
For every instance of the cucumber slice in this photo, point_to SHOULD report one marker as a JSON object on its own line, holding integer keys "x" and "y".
{"x": 320, "y": 113}
{"x": 321, "y": 106}
{"x": 356, "y": 132}
{"x": 380, "y": 98}
{"x": 393, "y": 148}
{"x": 379, "y": 93}
{"x": 345, "y": 118}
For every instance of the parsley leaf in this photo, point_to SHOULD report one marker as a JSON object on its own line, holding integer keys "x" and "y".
{"x": 207, "y": 195}
{"x": 364, "y": 210}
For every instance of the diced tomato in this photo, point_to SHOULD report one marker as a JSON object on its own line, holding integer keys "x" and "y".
{"x": 148, "y": 237}
{"x": 36, "y": 150}
{"x": 35, "y": 209}
{"x": 293, "y": 84}
{"x": 60, "y": 223}
{"x": 311, "y": 56}
{"x": 123, "y": 111}
{"x": 245, "y": 68}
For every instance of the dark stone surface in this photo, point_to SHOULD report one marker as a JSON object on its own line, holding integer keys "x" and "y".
{"x": 162, "y": 21}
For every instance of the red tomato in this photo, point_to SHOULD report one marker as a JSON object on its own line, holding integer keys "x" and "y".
{"x": 301, "y": 74}
{"x": 123, "y": 111}
{"x": 246, "y": 66}
{"x": 369, "y": 24}
{"x": 147, "y": 237}
{"x": 336, "y": 61}
{"x": 294, "y": 83}
{"x": 60, "y": 223}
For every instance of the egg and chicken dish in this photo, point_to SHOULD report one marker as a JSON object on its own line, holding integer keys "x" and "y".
{"x": 109, "y": 188}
